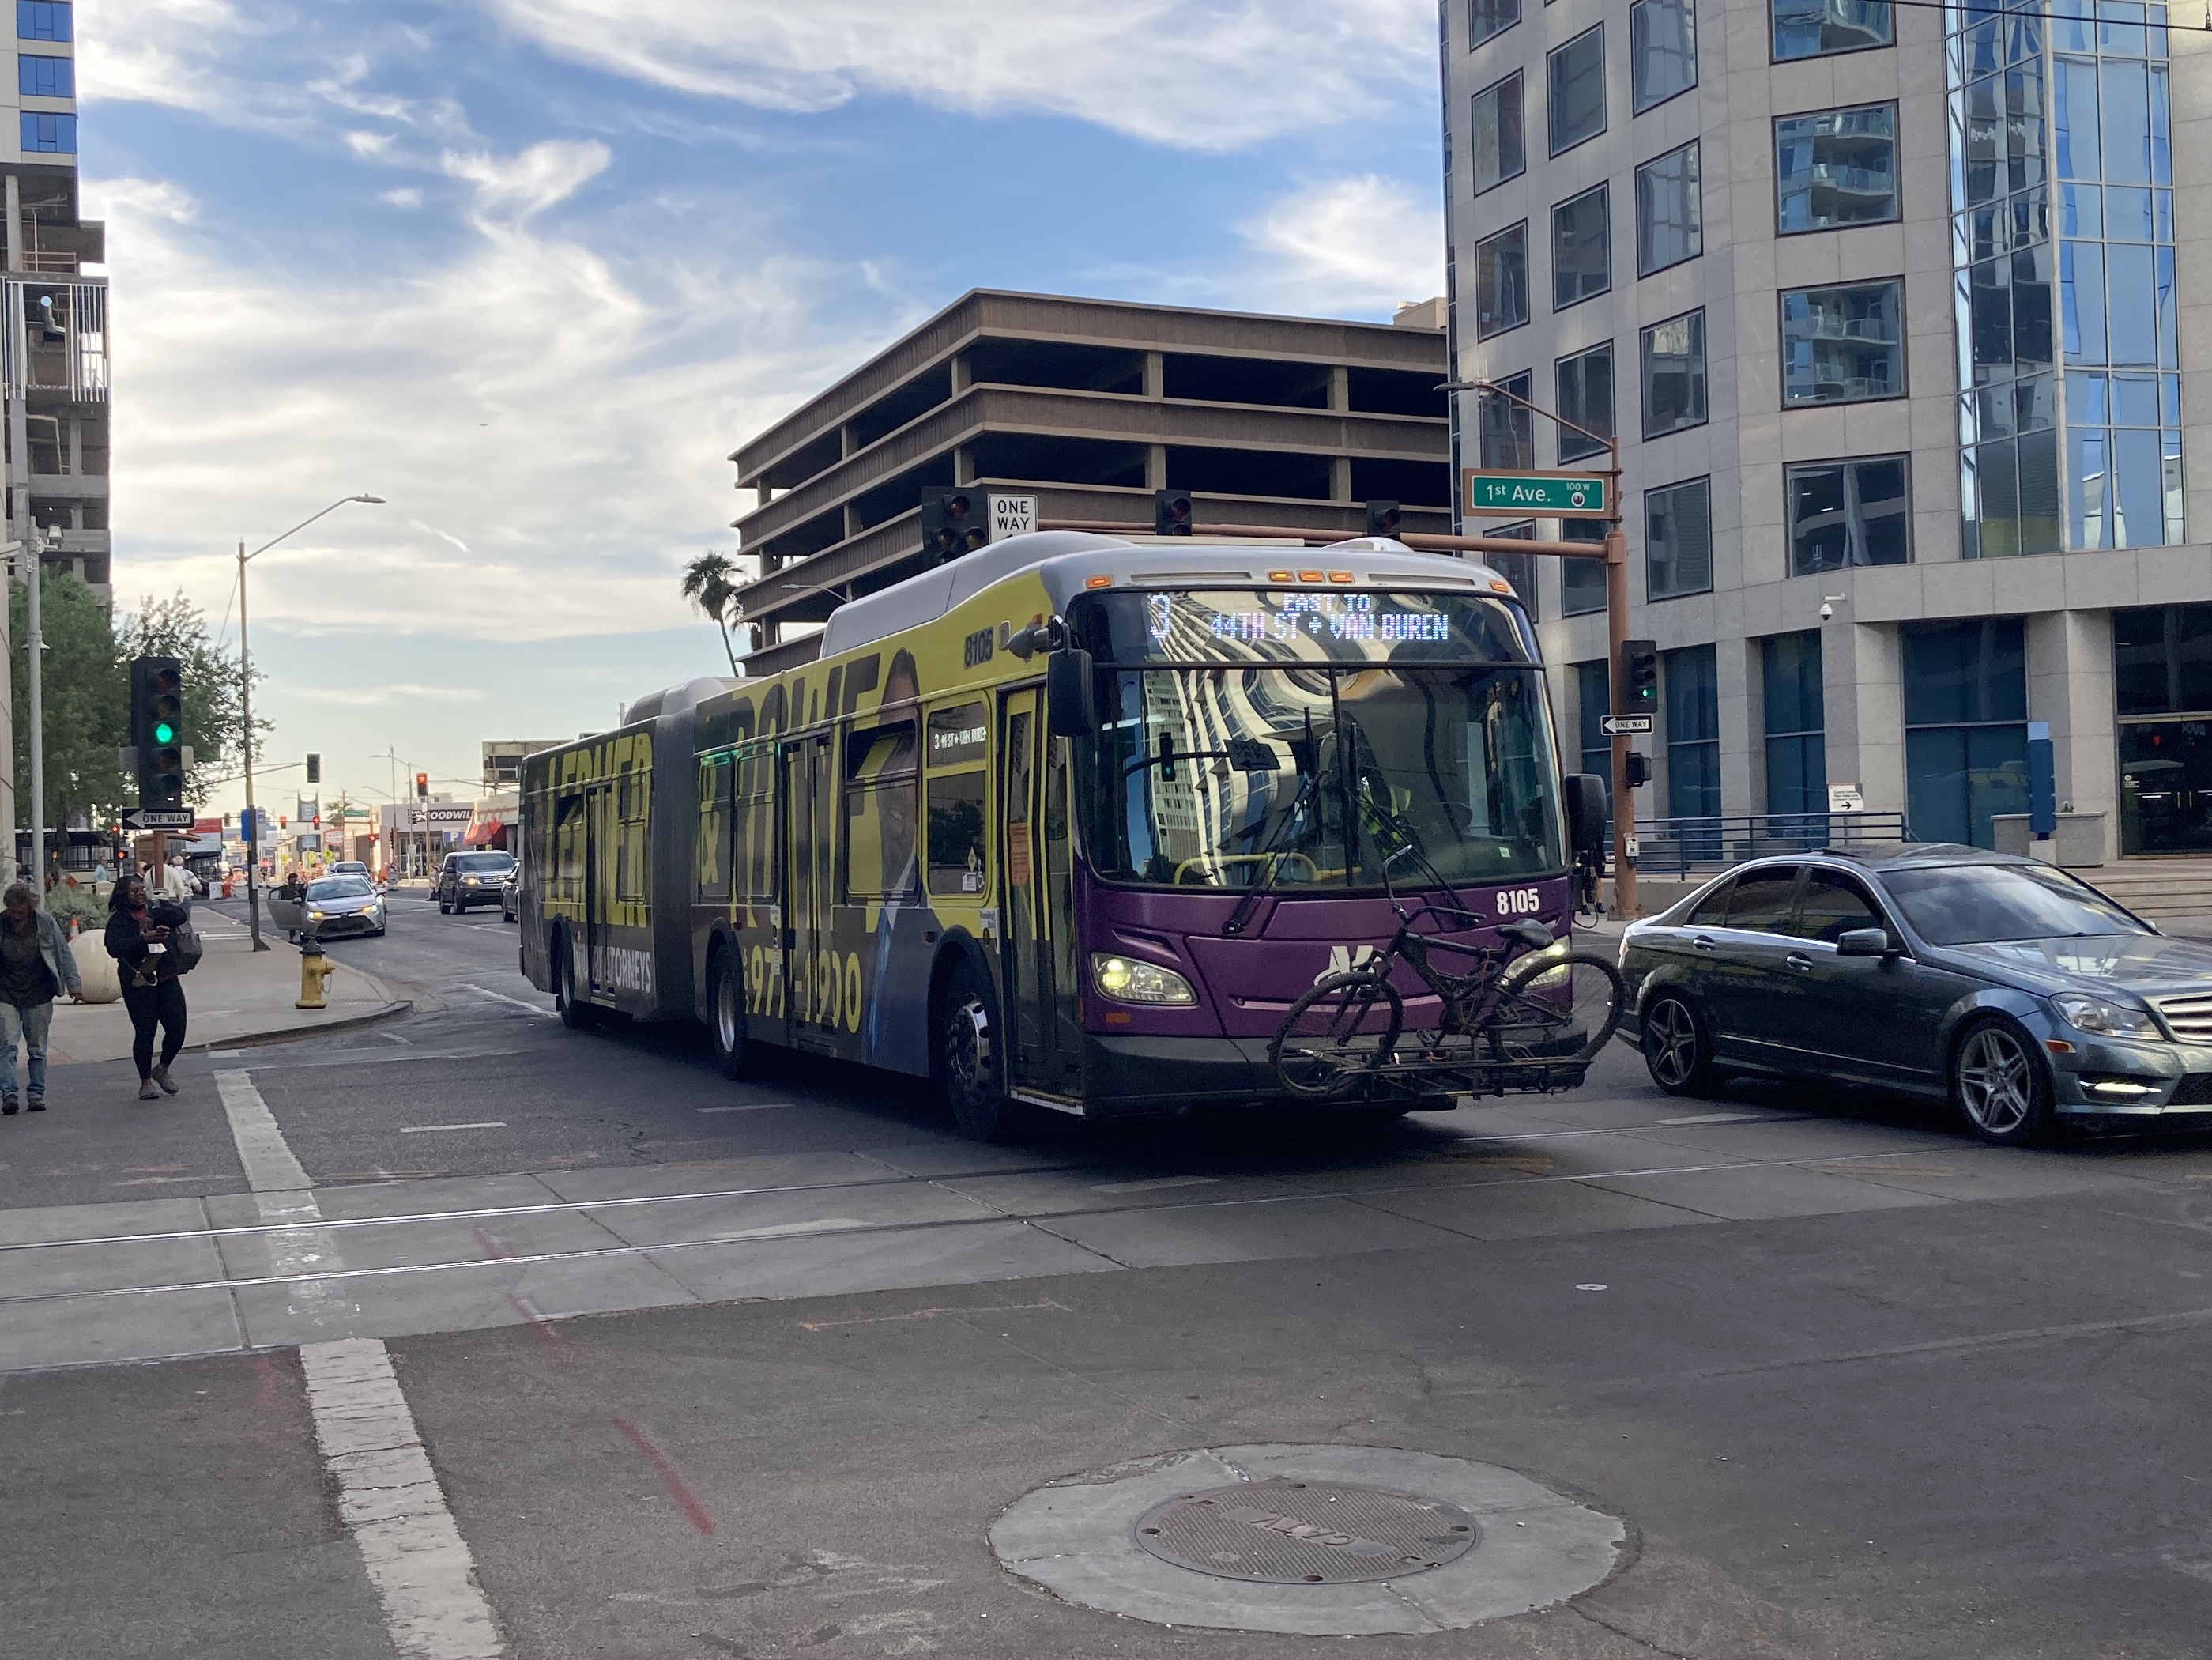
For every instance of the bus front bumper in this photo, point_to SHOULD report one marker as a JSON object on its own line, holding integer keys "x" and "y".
{"x": 1131, "y": 1077}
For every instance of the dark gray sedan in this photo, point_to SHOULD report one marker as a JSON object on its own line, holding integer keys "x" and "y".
{"x": 2017, "y": 992}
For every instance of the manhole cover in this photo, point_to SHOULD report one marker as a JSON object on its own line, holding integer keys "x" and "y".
{"x": 1305, "y": 1533}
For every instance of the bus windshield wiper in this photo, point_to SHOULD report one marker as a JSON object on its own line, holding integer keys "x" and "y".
{"x": 1275, "y": 857}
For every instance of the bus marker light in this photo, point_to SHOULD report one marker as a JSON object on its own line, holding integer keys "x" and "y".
{"x": 1282, "y": 577}
{"x": 1117, "y": 1018}
{"x": 1097, "y": 581}
{"x": 1499, "y": 585}
{"x": 1339, "y": 577}
{"x": 1309, "y": 576}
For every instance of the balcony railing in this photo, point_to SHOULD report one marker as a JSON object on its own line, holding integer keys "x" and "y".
{"x": 53, "y": 337}
{"x": 1678, "y": 847}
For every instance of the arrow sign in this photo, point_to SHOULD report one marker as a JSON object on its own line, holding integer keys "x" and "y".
{"x": 1624, "y": 725}
{"x": 154, "y": 819}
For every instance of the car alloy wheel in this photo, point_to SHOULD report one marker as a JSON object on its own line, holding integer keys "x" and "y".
{"x": 1999, "y": 1086}
{"x": 1674, "y": 1049}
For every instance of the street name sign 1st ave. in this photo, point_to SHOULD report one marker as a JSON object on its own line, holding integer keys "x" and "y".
{"x": 154, "y": 819}
{"x": 1582, "y": 493}
{"x": 1624, "y": 725}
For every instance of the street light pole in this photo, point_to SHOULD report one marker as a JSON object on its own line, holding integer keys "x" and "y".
{"x": 34, "y": 553}
{"x": 245, "y": 714}
{"x": 1615, "y": 551}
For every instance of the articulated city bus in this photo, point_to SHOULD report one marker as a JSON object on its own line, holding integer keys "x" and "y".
{"x": 1068, "y": 824}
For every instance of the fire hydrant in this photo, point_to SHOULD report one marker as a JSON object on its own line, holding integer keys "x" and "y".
{"x": 314, "y": 969}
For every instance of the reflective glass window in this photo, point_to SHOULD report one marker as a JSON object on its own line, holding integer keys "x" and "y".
{"x": 1501, "y": 282}
{"x": 1575, "y": 78}
{"x": 1835, "y": 168}
{"x": 1678, "y": 540}
{"x": 1848, "y": 513}
{"x": 42, "y": 20}
{"x": 1662, "y": 50}
{"x": 1669, "y": 211}
{"x": 1582, "y": 581}
{"x": 1672, "y": 356}
{"x": 1500, "y": 152}
{"x": 1762, "y": 899}
{"x": 1795, "y": 723}
{"x": 1581, "y": 248}
{"x": 1813, "y": 28}
{"x": 45, "y": 77}
{"x": 1487, "y": 18}
{"x": 1585, "y": 397}
{"x": 1843, "y": 345}
{"x": 1691, "y": 682}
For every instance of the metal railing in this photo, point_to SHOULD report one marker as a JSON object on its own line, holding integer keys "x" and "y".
{"x": 59, "y": 346}
{"x": 1678, "y": 847}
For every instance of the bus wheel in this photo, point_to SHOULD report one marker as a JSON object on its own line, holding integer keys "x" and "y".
{"x": 568, "y": 994}
{"x": 967, "y": 1050}
{"x": 733, "y": 1056}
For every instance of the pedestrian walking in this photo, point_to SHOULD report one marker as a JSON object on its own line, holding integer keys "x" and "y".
{"x": 150, "y": 989}
{"x": 36, "y": 966}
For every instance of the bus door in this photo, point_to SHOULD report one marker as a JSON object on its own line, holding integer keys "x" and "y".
{"x": 809, "y": 795}
{"x": 600, "y": 856}
{"x": 1037, "y": 919}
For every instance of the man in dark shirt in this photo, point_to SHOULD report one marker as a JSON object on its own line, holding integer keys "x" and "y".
{"x": 36, "y": 965}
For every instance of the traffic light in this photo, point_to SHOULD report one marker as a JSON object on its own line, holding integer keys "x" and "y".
{"x": 157, "y": 720}
{"x": 1170, "y": 513}
{"x": 421, "y": 786}
{"x": 954, "y": 520}
{"x": 1639, "y": 677}
{"x": 1382, "y": 518}
{"x": 314, "y": 769}
{"x": 1639, "y": 770}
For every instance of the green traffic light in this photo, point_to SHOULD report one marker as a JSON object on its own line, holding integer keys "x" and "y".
{"x": 165, "y": 733}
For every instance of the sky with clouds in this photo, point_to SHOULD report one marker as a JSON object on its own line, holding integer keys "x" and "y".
{"x": 531, "y": 269}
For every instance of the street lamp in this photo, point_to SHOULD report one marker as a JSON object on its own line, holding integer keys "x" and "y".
{"x": 245, "y": 710}
{"x": 34, "y": 649}
{"x": 1615, "y": 554}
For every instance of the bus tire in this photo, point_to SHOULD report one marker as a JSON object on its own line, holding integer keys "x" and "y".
{"x": 576, "y": 1010}
{"x": 736, "y": 1056}
{"x": 969, "y": 1062}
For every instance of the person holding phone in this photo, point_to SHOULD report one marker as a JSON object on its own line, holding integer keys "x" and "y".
{"x": 137, "y": 939}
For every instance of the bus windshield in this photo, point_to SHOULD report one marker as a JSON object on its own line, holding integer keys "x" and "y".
{"x": 1311, "y": 776}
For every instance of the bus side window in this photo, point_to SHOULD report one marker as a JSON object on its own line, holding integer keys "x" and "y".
{"x": 879, "y": 813}
{"x": 568, "y": 844}
{"x": 632, "y": 792}
{"x": 957, "y": 737}
{"x": 713, "y": 835}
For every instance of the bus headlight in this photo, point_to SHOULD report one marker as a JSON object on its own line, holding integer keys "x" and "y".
{"x": 1126, "y": 980}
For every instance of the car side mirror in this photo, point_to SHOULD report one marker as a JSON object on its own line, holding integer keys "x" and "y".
{"x": 1866, "y": 942}
{"x": 1586, "y": 812}
{"x": 1071, "y": 694}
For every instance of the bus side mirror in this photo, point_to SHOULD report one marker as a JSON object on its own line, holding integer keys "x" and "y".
{"x": 1071, "y": 697}
{"x": 1586, "y": 813}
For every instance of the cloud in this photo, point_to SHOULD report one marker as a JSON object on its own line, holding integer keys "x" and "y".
{"x": 1351, "y": 244}
{"x": 549, "y": 422}
{"x": 407, "y": 196}
{"x": 1202, "y": 74}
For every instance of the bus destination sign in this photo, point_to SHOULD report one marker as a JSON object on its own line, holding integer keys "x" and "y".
{"x": 1582, "y": 493}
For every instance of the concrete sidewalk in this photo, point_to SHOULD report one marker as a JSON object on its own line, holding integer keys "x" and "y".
{"x": 234, "y": 996}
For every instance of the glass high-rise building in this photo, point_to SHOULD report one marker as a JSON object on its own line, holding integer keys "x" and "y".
{"x": 1892, "y": 310}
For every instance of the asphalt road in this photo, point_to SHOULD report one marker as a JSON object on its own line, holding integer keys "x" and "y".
{"x": 706, "y": 1370}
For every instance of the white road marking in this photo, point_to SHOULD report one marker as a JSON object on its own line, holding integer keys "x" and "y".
{"x": 270, "y": 1165}
{"x": 1154, "y": 1184}
{"x": 752, "y": 1106}
{"x": 432, "y": 1129}
{"x": 390, "y": 1501}
{"x": 1711, "y": 1118}
{"x": 784, "y": 1229}
{"x": 501, "y": 997}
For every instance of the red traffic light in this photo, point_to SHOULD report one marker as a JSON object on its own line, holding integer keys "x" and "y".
{"x": 282, "y": 822}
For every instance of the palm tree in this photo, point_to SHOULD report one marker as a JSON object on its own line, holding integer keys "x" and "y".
{"x": 707, "y": 586}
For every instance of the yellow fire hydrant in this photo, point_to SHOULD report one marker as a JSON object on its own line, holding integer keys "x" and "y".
{"x": 314, "y": 969}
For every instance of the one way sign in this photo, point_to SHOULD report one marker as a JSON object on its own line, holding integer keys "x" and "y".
{"x": 160, "y": 818}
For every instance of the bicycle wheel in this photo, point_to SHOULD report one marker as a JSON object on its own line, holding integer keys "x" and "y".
{"x": 1554, "y": 1008}
{"x": 1336, "y": 1034}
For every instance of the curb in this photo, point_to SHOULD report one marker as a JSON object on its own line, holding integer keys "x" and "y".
{"x": 258, "y": 1039}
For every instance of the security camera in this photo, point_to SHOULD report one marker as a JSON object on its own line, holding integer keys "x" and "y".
{"x": 1827, "y": 611}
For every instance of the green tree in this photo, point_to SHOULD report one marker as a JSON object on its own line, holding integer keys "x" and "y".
{"x": 707, "y": 585}
{"x": 213, "y": 716}
{"x": 86, "y": 692}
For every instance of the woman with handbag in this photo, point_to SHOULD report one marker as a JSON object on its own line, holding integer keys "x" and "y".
{"x": 36, "y": 966}
{"x": 136, "y": 925}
